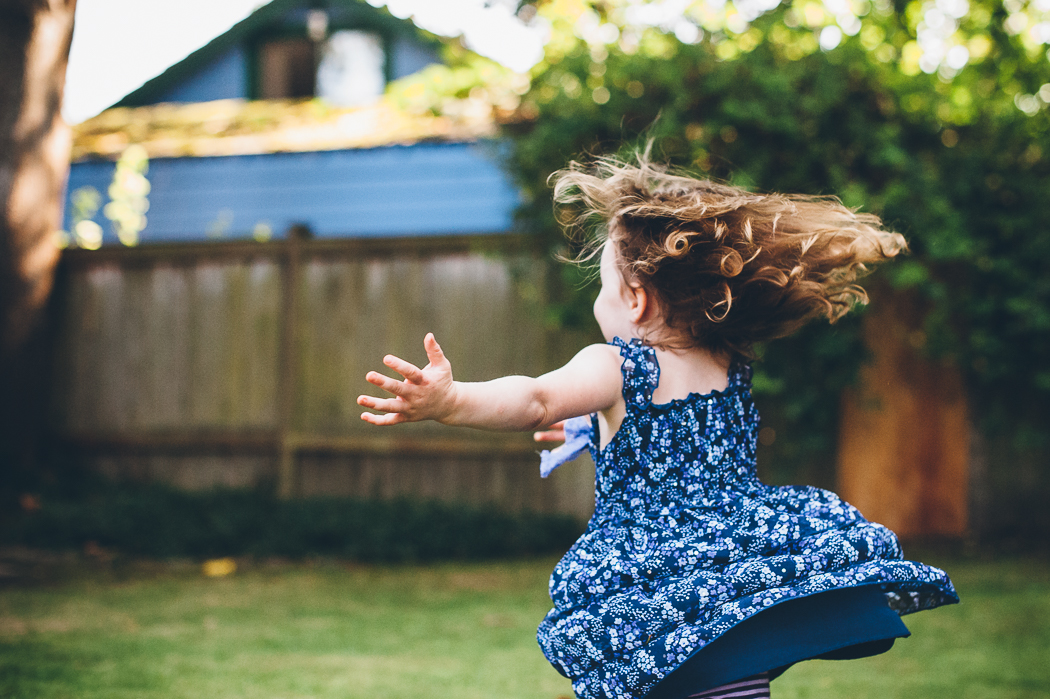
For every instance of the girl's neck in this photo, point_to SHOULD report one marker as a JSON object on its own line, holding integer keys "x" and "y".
{"x": 694, "y": 370}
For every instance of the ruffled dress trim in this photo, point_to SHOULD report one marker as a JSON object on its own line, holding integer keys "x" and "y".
{"x": 578, "y": 433}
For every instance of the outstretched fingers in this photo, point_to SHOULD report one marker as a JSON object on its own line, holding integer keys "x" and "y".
{"x": 423, "y": 394}
{"x": 386, "y": 405}
{"x": 407, "y": 369}
{"x": 386, "y": 383}
{"x": 391, "y": 410}
{"x": 434, "y": 354}
{"x": 387, "y": 419}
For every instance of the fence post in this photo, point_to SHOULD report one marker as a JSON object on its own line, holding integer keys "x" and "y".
{"x": 287, "y": 478}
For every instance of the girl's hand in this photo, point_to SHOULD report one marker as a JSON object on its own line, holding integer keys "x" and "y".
{"x": 554, "y": 433}
{"x": 591, "y": 382}
{"x": 425, "y": 394}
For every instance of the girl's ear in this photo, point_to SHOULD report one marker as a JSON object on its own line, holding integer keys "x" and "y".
{"x": 639, "y": 303}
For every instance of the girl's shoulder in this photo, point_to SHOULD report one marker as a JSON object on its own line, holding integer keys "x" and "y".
{"x": 596, "y": 369}
{"x": 604, "y": 357}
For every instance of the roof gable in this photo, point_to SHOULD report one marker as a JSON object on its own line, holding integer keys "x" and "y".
{"x": 276, "y": 16}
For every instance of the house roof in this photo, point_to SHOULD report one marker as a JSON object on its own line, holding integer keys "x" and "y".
{"x": 420, "y": 107}
{"x": 238, "y": 127}
{"x": 265, "y": 17}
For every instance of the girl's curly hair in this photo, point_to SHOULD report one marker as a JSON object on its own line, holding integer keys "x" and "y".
{"x": 728, "y": 267}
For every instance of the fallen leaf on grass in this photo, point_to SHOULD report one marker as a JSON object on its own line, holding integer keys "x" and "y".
{"x": 219, "y": 567}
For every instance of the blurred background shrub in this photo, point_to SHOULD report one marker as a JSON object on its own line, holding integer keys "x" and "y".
{"x": 160, "y": 521}
{"x": 932, "y": 115}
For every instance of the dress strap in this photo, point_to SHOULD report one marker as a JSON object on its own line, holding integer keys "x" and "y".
{"x": 740, "y": 373}
{"x": 641, "y": 372}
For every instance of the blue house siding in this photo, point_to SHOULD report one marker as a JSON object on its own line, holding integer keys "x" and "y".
{"x": 423, "y": 189}
{"x": 408, "y": 57}
{"x": 224, "y": 78}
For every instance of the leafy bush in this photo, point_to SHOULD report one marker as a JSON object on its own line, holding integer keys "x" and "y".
{"x": 155, "y": 520}
{"x": 956, "y": 156}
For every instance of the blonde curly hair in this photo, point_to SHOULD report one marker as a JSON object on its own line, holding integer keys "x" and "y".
{"x": 728, "y": 267}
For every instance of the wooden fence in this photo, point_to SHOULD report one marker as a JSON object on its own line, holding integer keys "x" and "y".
{"x": 238, "y": 364}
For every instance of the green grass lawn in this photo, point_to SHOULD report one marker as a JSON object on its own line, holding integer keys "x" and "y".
{"x": 458, "y": 630}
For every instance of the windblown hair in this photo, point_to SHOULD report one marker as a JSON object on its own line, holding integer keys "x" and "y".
{"x": 728, "y": 268}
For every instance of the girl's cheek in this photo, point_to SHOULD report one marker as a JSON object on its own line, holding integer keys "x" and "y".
{"x": 601, "y": 307}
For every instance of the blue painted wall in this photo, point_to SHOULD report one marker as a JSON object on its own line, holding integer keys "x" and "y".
{"x": 407, "y": 57}
{"x": 423, "y": 189}
{"x": 224, "y": 78}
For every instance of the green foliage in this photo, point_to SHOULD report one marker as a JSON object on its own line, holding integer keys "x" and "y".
{"x": 796, "y": 385}
{"x": 128, "y": 195}
{"x": 160, "y": 521}
{"x": 955, "y": 159}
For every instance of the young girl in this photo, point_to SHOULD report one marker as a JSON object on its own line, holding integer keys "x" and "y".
{"x": 693, "y": 579}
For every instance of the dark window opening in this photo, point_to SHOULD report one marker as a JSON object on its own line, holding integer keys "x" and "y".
{"x": 287, "y": 69}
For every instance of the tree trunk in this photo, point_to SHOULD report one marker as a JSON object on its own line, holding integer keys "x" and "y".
{"x": 905, "y": 434}
{"x": 34, "y": 162}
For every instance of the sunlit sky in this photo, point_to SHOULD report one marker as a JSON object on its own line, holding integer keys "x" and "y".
{"x": 120, "y": 44}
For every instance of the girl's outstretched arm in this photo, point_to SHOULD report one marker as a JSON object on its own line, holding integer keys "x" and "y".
{"x": 591, "y": 382}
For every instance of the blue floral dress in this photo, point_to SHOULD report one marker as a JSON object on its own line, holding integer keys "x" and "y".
{"x": 686, "y": 542}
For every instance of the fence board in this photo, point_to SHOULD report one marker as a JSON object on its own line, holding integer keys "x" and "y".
{"x": 261, "y": 330}
{"x": 70, "y": 366}
{"x": 332, "y": 348}
{"x": 169, "y": 332}
{"x": 208, "y": 338}
{"x": 109, "y": 384}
